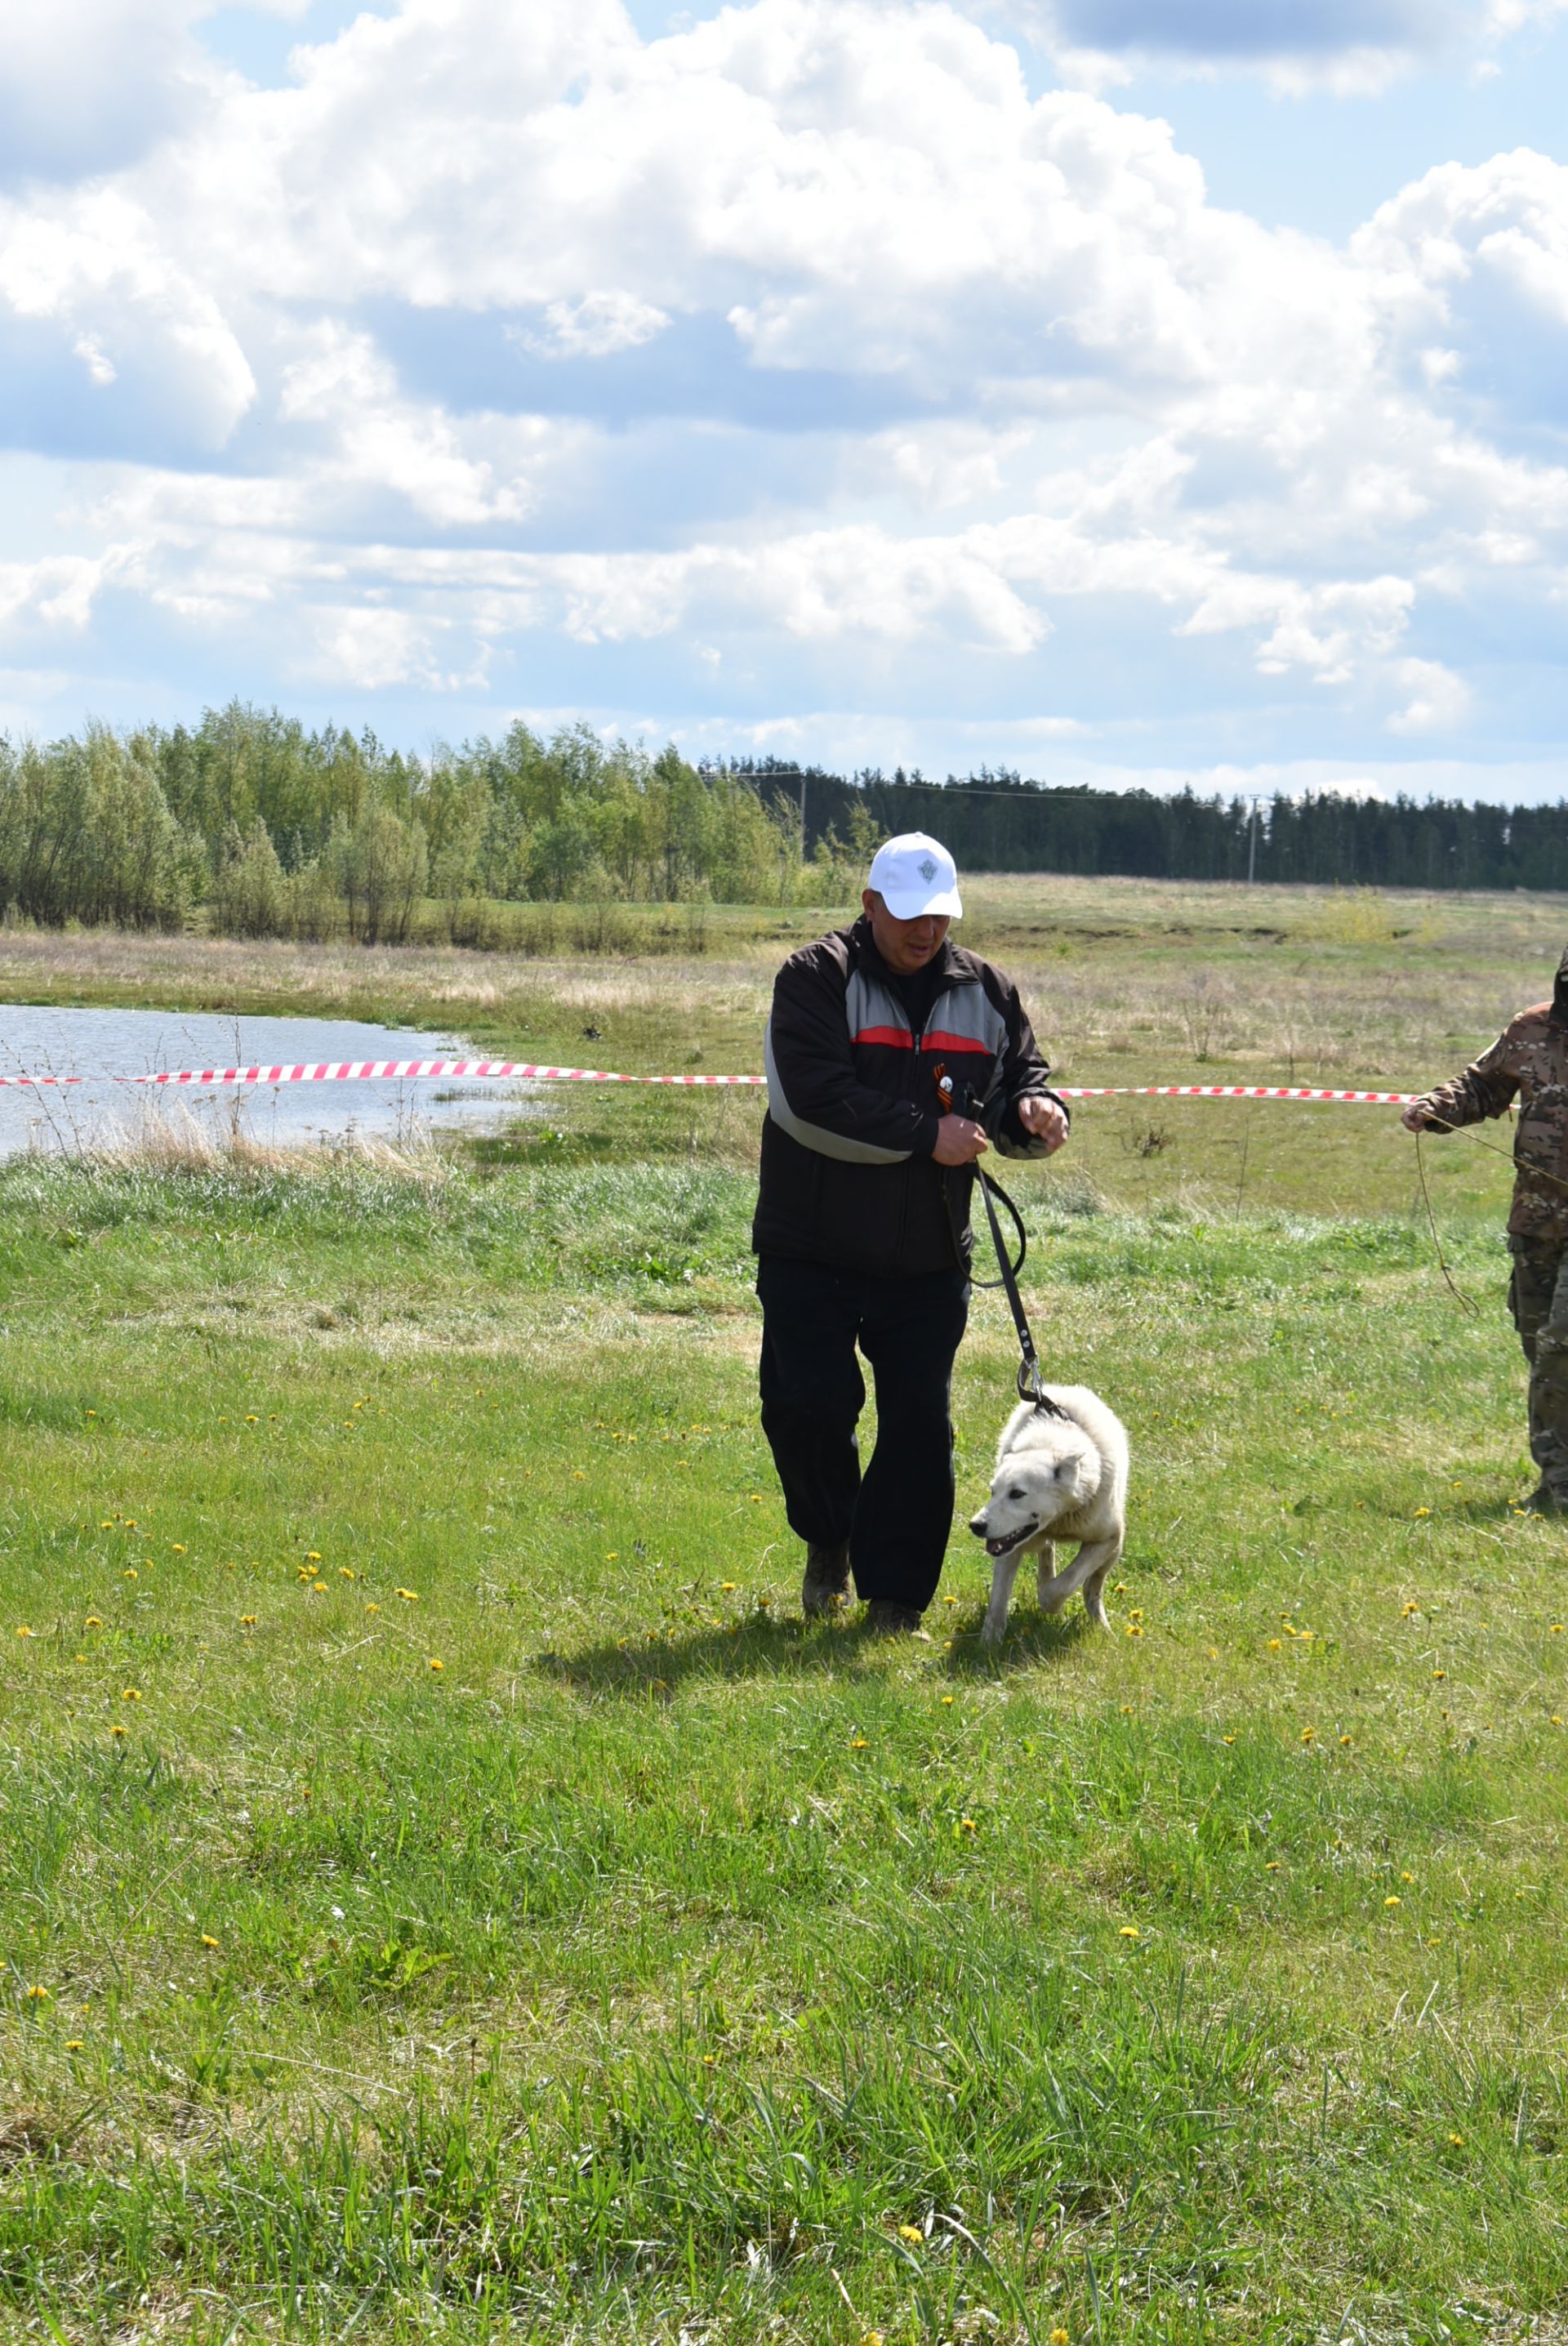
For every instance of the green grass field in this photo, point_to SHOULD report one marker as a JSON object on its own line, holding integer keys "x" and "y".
{"x": 446, "y": 1891}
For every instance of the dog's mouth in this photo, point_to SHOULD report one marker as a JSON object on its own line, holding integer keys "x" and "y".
{"x": 1013, "y": 1539}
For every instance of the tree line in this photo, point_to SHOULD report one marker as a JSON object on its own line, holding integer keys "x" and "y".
{"x": 998, "y": 822}
{"x": 268, "y": 830}
{"x": 261, "y": 828}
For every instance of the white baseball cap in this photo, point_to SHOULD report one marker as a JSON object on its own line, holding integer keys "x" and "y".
{"x": 914, "y": 874}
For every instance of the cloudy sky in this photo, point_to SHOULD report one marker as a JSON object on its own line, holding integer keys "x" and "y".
{"x": 1114, "y": 389}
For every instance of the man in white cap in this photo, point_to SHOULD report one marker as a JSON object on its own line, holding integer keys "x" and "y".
{"x": 863, "y": 1220}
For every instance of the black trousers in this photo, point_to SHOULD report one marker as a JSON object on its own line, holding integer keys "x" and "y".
{"x": 897, "y": 1515}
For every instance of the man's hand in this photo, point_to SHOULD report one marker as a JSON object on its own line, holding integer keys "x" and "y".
{"x": 1043, "y": 1119}
{"x": 958, "y": 1141}
{"x": 1414, "y": 1117}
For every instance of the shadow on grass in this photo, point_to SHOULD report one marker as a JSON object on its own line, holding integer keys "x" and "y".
{"x": 761, "y": 1648}
{"x": 1491, "y": 1511}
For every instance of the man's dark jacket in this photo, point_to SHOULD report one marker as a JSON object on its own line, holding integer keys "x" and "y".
{"x": 848, "y": 1175}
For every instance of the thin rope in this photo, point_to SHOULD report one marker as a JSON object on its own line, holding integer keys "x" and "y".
{"x": 1509, "y": 1155}
{"x": 1459, "y": 1296}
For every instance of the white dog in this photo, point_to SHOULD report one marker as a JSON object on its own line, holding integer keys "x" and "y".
{"x": 1057, "y": 1478}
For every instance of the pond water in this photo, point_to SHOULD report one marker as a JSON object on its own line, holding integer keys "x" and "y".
{"x": 104, "y": 1044}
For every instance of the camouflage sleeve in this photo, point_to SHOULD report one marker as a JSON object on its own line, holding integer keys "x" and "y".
{"x": 1485, "y": 1089}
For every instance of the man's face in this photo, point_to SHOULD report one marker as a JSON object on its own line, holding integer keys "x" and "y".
{"x": 904, "y": 946}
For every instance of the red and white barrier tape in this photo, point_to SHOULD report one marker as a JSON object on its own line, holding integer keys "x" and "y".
{"x": 341, "y": 1071}
{"x": 1233, "y": 1091}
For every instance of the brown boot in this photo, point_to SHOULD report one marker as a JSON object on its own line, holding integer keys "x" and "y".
{"x": 884, "y": 1619}
{"x": 826, "y": 1587}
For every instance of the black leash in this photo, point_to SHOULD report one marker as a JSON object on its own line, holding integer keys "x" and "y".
{"x": 1030, "y": 1383}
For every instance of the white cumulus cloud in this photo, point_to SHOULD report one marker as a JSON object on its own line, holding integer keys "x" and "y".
{"x": 929, "y": 363}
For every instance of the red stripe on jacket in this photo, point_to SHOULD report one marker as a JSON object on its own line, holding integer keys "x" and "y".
{"x": 934, "y": 1039}
{"x": 899, "y": 1038}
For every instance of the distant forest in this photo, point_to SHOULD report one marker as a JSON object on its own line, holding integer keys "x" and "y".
{"x": 257, "y": 827}
{"x": 1000, "y": 822}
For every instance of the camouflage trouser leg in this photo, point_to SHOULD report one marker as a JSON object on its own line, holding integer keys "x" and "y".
{"x": 1538, "y": 1297}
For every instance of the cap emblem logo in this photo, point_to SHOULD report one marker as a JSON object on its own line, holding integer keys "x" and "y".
{"x": 927, "y": 871}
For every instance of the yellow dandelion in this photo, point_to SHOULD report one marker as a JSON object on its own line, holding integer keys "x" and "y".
{"x": 1308, "y": 1735}
{"x": 208, "y": 1940}
{"x": 177, "y": 1547}
{"x": 967, "y": 1824}
{"x": 910, "y": 2232}
{"x": 74, "y": 2044}
{"x": 1345, "y": 1740}
{"x": 1274, "y": 1865}
{"x": 728, "y": 1586}
{"x": 1059, "y": 2338}
{"x": 372, "y": 1609}
{"x": 1439, "y": 1674}
{"x": 130, "y": 1573}
{"x": 1421, "y": 1512}
{"x": 107, "y": 1524}
{"x": 252, "y": 1417}
{"x": 408, "y": 1595}
{"x": 1456, "y": 2142}
{"x": 613, "y": 1557}
{"x": 248, "y": 1620}
{"x": 38, "y": 1995}
{"x": 579, "y": 1474}
{"x": 1557, "y": 1628}
{"x": 1275, "y": 1644}
{"x": 347, "y": 1572}
{"x": 1407, "y": 1877}
{"x": 1134, "y": 1629}
{"x": 436, "y": 1665}
{"x": 1393, "y": 1900}
{"x": 117, "y": 1730}
{"x": 1213, "y": 1653}
{"x": 131, "y": 1694}
{"x": 23, "y": 1630}
{"x": 1129, "y": 1931}
{"x": 312, "y": 1555}
{"x": 947, "y": 1698}
{"x": 92, "y": 1622}
{"x": 1406, "y": 1611}
{"x": 1228, "y": 1739}
{"x": 1557, "y": 1721}
{"x": 858, "y": 1743}
{"x": 1134, "y": 1612}
{"x": 130, "y": 1522}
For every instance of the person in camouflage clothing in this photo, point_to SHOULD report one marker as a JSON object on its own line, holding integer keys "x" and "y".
{"x": 1529, "y": 1062}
